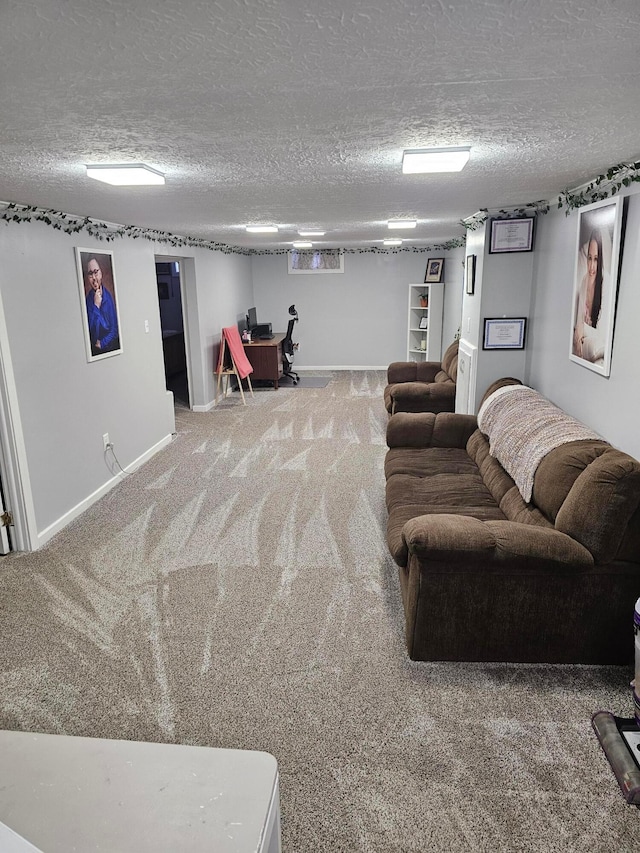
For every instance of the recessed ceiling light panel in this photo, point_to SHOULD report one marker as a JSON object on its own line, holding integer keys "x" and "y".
{"x": 302, "y": 244}
{"x": 312, "y": 233}
{"x": 434, "y": 160}
{"x": 391, "y": 242}
{"x": 402, "y": 223}
{"x": 262, "y": 229}
{"x": 125, "y": 174}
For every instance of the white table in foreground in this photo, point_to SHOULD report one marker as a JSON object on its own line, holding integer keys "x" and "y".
{"x": 67, "y": 794}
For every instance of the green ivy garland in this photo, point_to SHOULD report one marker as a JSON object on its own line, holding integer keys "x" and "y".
{"x": 70, "y": 224}
{"x": 608, "y": 184}
{"x": 604, "y": 186}
{"x": 472, "y": 223}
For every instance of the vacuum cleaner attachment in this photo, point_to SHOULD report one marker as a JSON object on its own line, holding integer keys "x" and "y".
{"x": 620, "y": 739}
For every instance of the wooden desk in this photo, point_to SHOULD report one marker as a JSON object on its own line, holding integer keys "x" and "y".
{"x": 266, "y": 358}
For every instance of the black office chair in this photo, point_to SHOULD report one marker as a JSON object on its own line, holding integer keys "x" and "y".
{"x": 288, "y": 347}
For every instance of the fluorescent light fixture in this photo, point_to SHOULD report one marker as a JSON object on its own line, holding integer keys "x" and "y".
{"x": 262, "y": 229}
{"x": 302, "y": 244}
{"x": 312, "y": 233}
{"x": 392, "y": 242}
{"x": 402, "y": 223}
{"x": 125, "y": 174}
{"x": 435, "y": 160}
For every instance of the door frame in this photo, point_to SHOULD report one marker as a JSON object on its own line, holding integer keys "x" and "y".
{"x": 185, "y": 322}
{"x": 13, "y": 455}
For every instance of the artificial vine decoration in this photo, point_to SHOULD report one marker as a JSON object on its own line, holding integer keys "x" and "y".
{"x": 608, "y": 184}
{"x": 70, "y": 224}
{"x": 604, "y": 186}
{"x": 472, "y": 223}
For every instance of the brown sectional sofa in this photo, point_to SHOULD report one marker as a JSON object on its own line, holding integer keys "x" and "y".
{"x": 487, "y": 577}
{"x": 427, "y": 386}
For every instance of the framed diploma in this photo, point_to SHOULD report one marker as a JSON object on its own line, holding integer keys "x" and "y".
{"x": 504, "y": 333}
{"x": 511, "y": 235}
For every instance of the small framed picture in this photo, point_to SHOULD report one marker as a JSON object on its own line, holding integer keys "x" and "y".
{"x": 511, "y": 235}
{"x": 504, "y": 333}
{"x": 435, "y": 271}
{"x": 470, "y": 274}
{"x": 315, "y": 261}
{"x": 164, "y": 287}
{"x": 423, "y": 324}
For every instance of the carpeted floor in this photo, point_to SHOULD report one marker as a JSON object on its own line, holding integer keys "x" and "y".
{"x": 237, "y": 592}
{"x": 306, "y": 381}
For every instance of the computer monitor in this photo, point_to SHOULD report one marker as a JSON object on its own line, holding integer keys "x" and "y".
{"x": 252, "y": 319}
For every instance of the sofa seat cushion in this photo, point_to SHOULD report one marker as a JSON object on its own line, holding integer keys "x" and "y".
{"x": 456, "y": 492}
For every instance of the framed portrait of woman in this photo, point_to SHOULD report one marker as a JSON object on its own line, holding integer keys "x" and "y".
{"x": 595, "y": 284}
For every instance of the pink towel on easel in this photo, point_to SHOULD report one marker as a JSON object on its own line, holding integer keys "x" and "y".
{"x": 242, "y": 363}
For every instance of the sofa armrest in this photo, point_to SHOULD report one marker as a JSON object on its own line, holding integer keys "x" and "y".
{"x": 462, "y": 544}
{"x": 426, "y": 429}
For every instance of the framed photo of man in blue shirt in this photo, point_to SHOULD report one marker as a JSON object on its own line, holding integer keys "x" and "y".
{"x": 97, "y": 281}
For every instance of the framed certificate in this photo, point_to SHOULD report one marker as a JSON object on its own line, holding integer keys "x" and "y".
{"x": 504, "y": 333}
{"x": 511, "y": 235}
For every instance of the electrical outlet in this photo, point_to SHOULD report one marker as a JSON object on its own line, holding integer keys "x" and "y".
{"x": 105, "y": 441}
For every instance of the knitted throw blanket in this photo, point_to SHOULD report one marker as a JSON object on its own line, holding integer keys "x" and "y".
{"x": 522, "y": 427}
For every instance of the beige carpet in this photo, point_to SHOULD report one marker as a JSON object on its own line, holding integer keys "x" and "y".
{"x": 237, "y": 592}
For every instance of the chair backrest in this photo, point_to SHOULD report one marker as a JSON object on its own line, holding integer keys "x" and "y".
{"x": 290, "y": 325}
{"x": 287, "y": 341}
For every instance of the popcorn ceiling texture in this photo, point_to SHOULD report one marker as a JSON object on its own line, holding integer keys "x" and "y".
{"x": 297, "y": 112}
{"x": 237, "y": 591}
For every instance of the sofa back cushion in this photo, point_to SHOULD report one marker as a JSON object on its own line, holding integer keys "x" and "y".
{"x": 503, "y": 489}
{"x": 601, "y": 509}
{"x": 450, "y": 362}
{"x": 558, "y": 471}
{"x": 402, "y": 371}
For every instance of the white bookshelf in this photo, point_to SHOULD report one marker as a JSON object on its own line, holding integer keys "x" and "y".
{"x": 425, "y": 344}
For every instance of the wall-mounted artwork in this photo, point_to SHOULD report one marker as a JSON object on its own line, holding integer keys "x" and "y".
{"x": 511, "y": 235}
{"x": 470, "y": 274}
{"x": 164, "y": 287}
{"x": 315, "y": 261}
{"x": 99, "y": 302}
{"x": 595, "y": 284}
{"x": 435, "y": 271}
{"x": 504, "y": 332}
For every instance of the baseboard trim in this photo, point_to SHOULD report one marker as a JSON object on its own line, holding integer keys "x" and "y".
{"x": 353, "y": 367}
{"x": 44, "y": 535}
{"x": 206, "y": 408}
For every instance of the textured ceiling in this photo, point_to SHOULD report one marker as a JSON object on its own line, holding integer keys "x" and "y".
{"x": 296, "y": 112}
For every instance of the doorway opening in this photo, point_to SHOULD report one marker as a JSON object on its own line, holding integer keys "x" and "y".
{"x": 172, "y": 325}
{"x": 6, "y": 540}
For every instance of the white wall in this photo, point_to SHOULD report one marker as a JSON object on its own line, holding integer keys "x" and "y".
{"x": 503, "y": 286}
{"x": 356, "y": 319}
{"x": 610, "y": 405}
{"x": 62, "y": 403}
{"x": 217, "y": 292}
